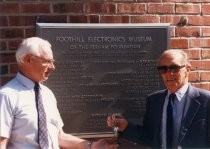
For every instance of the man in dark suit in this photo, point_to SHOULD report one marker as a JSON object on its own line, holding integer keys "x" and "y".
{"x": 181, "y": 122}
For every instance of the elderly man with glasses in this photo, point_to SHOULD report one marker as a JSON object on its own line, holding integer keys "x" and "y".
{"x": 29, "y": 117}
{"x": 177, "y": 117}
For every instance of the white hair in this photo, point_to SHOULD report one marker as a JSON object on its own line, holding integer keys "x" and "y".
{"x": 184, "y": 56}
{"x": 33, "y": 46}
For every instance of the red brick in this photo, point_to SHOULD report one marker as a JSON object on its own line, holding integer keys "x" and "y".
{"x": 30, "y": 32}
{"x": 114, "y": 19}
{"x": 205, "y": 54}
{"x": 9, "y": 8}
{"x": 3, "y": 46}
{"x": 120, "y": 0}
{"x": 147, "y": 1}
{"x": 145, "y": 19}
{"x": 172, "y": 31}
{"x": 51, "y": 0}
{"x": 100, "y": 8}
{"x": 172, "y": 19}
{"x": 111, "y": 11}
{"x": 188, "y": 31}
{"x": 188, "y": 8}
{"x": 161, "y": 8}
{"x": 22, "y": 20}
{"x": 5, "y": 79}
{"x": 183, "y": 1}
{"x": 68, "y": 7}
{"x": 205, "y": 31}
{"x": 52, "y": 19}
{"x": 12, "y": 33}
{"x": 205, "y": 85}
{"x": 205, "y": 76}
{"x": 3, "y": 69}
{"x": 205, "y": 9}
{"x": 35, "y": 8}
{"x": 179, "y": 43}
{"x": 131, "y": 8}
{"x": 200, "y": 42}
{"x": 199, "y": 20}
{"x": 13, "y": 45}
{"x": 194, "y": 77}
{"x": 7, "y": 58}
{"x": 179, "y": 1}
{"x": 3, "y": 21}
{"x": 13, "y": 68}
{"x": 84, "y": 19}
{"x": 201, "y": 1}
{"x": 200, "y": 64}
{"x": 193, "y": 53}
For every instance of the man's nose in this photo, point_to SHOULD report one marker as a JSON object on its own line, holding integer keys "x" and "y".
{"x": 52, "y": 66}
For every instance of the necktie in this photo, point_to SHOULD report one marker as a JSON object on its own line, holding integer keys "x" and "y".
{"x": 169, "y": 123}
{"x": 42, "y": 123}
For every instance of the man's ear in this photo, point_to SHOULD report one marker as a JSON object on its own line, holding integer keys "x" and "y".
{"x": 27, "y": 59}
{"x": 188, "y": 68}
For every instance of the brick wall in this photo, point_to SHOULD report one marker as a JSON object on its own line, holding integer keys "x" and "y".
{"x": 189, "y": 19}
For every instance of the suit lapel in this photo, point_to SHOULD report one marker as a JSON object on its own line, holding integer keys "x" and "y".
{"x": 158, "y": 114}
{"x": 190, "y": 110}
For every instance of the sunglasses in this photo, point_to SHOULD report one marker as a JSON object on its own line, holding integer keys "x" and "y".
{"x": 171, "y": 68}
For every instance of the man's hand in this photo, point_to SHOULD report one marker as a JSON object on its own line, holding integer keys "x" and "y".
{"x": 117, "y": 120}
{"x": 3, "y": 142}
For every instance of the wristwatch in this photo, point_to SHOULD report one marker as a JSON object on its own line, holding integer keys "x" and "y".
{"x": 89, "y": 144}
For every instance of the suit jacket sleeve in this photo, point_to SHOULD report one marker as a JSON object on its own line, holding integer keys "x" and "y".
{"x": 138, "y": 133}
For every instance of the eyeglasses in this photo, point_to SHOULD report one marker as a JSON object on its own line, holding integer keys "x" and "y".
{"x": 45, "y": 61}
{"x": 171, "y": 68}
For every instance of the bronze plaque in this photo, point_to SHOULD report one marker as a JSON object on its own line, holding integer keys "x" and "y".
{"x": 103, "y": 69}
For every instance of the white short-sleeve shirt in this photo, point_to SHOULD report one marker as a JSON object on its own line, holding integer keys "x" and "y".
{"x": 18, "y": 114}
